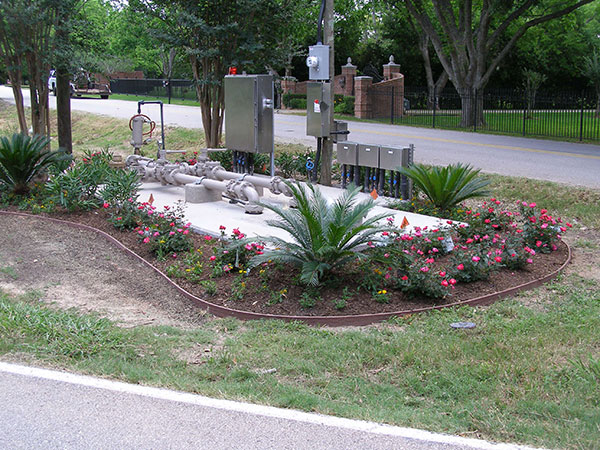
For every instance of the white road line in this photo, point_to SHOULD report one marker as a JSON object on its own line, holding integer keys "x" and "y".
{"x": 267, "y": 411}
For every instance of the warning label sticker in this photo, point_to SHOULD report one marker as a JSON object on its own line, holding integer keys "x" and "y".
{"x": 317, "y": 106}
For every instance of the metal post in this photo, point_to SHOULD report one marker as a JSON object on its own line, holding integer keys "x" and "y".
{"x": 581, "y": 118}
{"x": 434, "y": 106}
{"x": 524, "y": 112}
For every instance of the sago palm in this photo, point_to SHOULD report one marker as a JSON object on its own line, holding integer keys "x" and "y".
{"x": 325, "y": 236}
{"x": 23, "y": 157}
{"x": 447, "y": 186}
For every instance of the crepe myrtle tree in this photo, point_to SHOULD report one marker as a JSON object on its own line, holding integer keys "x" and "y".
{"x": 471, "y": 38}
{"x": 216, "y": 35}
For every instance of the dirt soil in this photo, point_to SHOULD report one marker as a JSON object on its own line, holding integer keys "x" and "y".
{"x": 78, "y": 268}
{"x": 73, "y": 268}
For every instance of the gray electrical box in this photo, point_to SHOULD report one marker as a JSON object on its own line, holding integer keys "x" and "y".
{"x": 390, "y": 158}
{"x": 318, "y": 110}
{"x": 340, "y": 131}
{"x": 249, "y": 113}
{"x": 347, "y": 153}
{"x": 368, "y": 155}
{"x": 318, "y": 62}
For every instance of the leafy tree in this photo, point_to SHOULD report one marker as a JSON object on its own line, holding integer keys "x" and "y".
{"x": 533, "y": 81}
{"x": 218, "y": 34}
{"x": 469, "y": 37}
{"x": 592, "y": 71}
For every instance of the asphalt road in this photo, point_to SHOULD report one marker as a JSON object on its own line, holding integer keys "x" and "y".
{"x": 563, "y": 162}
{"x": 43, "y": 409}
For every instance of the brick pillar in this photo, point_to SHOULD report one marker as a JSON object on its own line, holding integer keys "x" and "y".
{"x": 349, "y": 72}
{"x": 362, "y": 104}
{"x": 287, "y": 86}
{"x": 391, "y": 69}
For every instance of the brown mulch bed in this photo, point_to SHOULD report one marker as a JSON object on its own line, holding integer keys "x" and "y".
{"x": 256, "y": 296}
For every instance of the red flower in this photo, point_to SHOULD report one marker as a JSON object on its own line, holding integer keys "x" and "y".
{"x": 460, "y": 267}
{"x": 445, "y": 283}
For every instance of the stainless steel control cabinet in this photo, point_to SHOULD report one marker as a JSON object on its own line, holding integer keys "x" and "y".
{"x": 249, "y": 113}
{"x": 318, "y": 122}
{"x": 347, "y": 153}
{"x": 368, "y": 155}
{"x": 390, "y": 158}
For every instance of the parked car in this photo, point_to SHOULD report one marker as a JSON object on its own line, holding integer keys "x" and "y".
{"x": 83, "y": 83}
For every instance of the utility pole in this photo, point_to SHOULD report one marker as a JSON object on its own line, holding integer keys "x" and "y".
{"x": 327, "y": 149}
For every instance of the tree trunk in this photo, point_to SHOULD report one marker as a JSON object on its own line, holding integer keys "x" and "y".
{"x": 63, "y": 110}
{"x": 18, "y": 94}
{"x": 471, "y": 109}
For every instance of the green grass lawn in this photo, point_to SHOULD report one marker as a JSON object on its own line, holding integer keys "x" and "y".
{"x": 557, "y": 124}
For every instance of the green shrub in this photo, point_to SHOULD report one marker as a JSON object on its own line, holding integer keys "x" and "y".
{"x": 325, "y": 236}
{"x": 446, "y": 186}
{"x": 22, "y": 158}
{"x": 344, "y": 105}
{"x": 120, "y": 186}
{"x": 297, "y": 103}
{"x": 77, "y": 187}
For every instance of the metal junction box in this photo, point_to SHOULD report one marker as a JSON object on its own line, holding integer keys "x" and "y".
{"x": 347, "y": 153}
{"x": 318, "y": 62}
{"x": 368, "y": 155}
{"x": 249, "y": 113}
{"x": 318, "y": 121}
{"x": 390, "y": 158}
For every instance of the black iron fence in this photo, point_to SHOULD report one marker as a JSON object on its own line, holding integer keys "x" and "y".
{"x": 160, "y": 88}
{"x": 566, "y": 115}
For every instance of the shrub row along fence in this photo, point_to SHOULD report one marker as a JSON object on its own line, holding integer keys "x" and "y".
{"x": 567, "y": 115}
{"x": 161, "y": 88}
{"x": 176, "y": 89}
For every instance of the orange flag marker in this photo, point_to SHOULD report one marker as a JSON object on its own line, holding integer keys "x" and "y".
{"x": 151, "y": 199}
{"x": 374, "y": 194}
{"x": 404, "y": 223}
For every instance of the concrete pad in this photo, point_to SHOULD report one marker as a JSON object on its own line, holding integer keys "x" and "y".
{"x": 207, "y": 217}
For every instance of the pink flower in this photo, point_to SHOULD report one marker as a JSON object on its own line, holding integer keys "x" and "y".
{"x": 529, "y": 260}
{"x": 538, "y": 243}
{"x": 119, "y": 218}
{"x": 430, "y": 260}
{"x": 544, "y": 226}
{"x": 475, "y": 258}
{"x": 248, "y": 247}
{"x": 532, "y": 205}
{"x": 404, "y": 278}
{"x": 212, "y": 258}
{"x": 208, "y": 237}
{"x": 146, "y": 240}
{"x": 171, "y": 233}
{"x": 150, "y": 212}
{"x": 386, "y": 255}
{"x": 186, "y": 231}
{"x": 498, "y": 259}
{"x": 156, "y": 234}
{"x": 444, "y": 283}
{"x": 226, "y": 268}
{"x": 452, "y": 281}
{"x": 105, "y": 205}
{"x": 460, "y": 267}
{"x": 424, "y": 269}
{"x": 442, "y": 274}
{"x": 387, "y": 276}
{"x": 221, "y": 227}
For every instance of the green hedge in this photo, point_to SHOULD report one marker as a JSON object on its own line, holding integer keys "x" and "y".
{"x": 342, "y": 104}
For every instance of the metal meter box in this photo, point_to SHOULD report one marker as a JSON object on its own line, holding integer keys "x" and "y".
{"x": 390, "y": 158}
{"x": 368, "y": 155}
{"x": 318, "y": 62}
{"x": 318, "y": 121}
{"x": 249, "y": 113}
{"x": 347, "y": 153}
